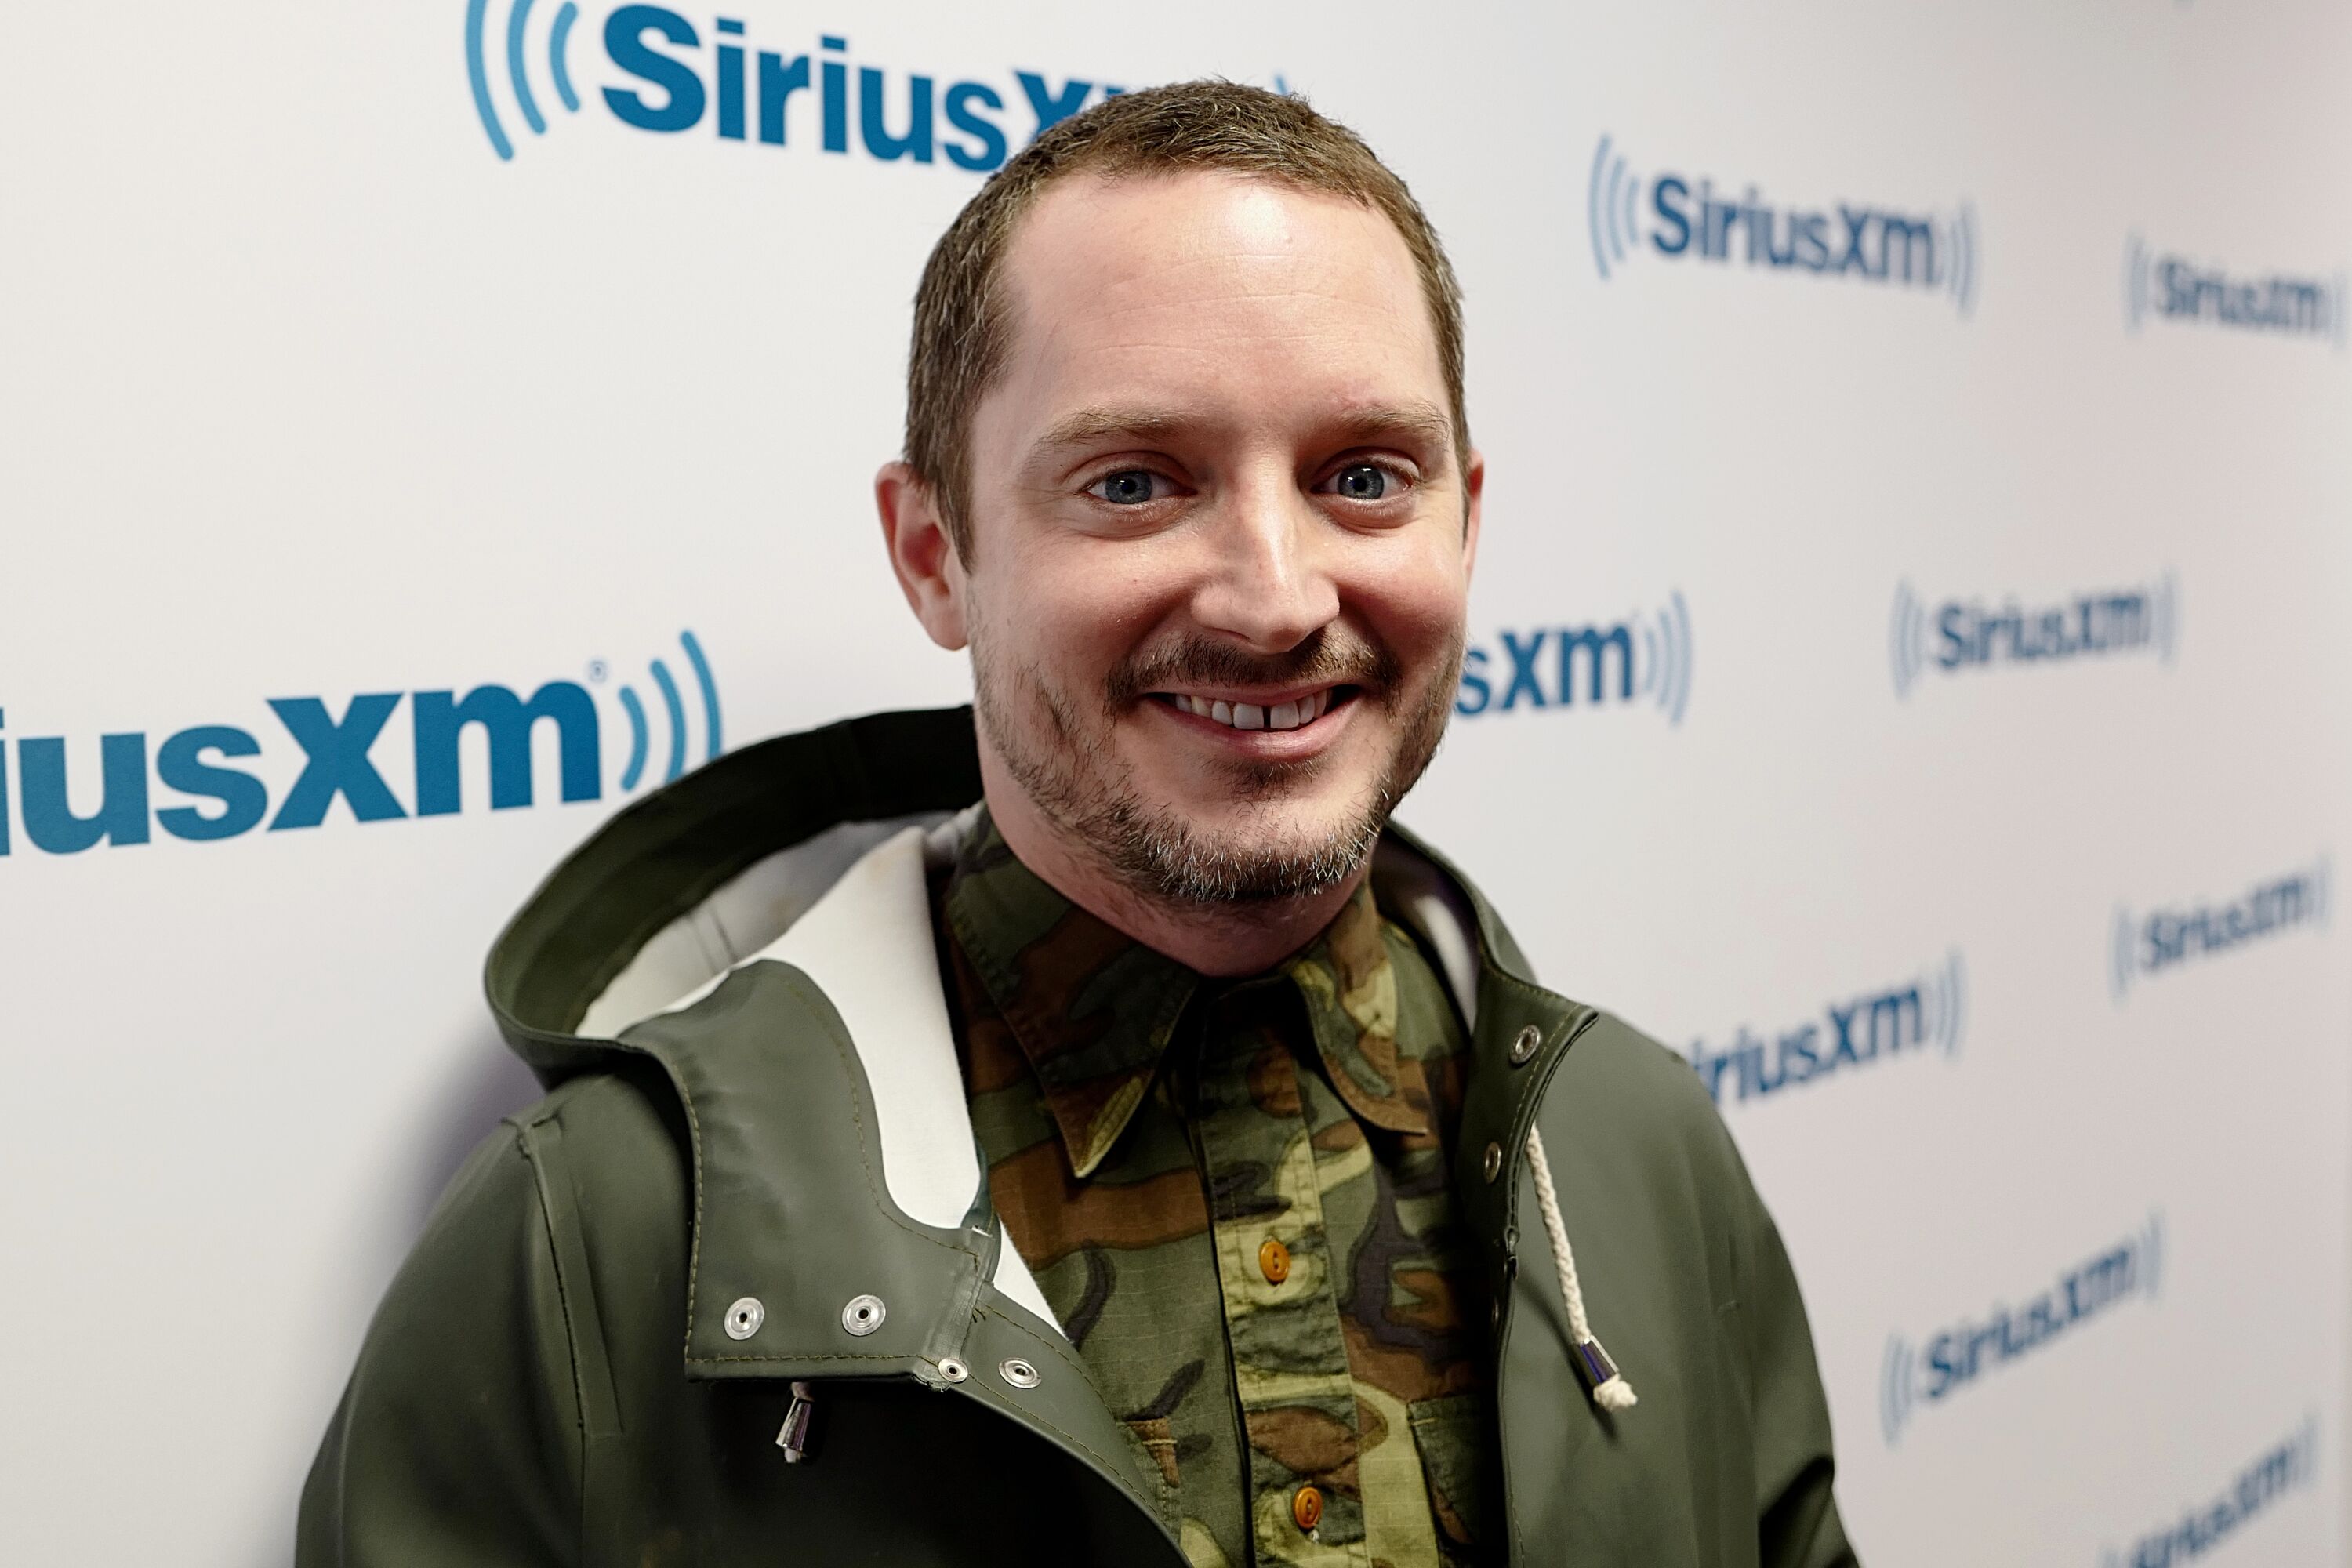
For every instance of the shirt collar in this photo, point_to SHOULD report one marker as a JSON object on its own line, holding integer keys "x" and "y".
{"x": 1094, "y": 1010}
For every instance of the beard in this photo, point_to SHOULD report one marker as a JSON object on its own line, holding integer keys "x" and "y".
{"x": 1057, "y": 747}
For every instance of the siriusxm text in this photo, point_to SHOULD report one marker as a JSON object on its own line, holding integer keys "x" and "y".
{"x": 788, "y": 95}
{"x": 2297, "y": 305}
{"x": 188, "y": 783}
{"x": 2102, "y": 622}
{"x": 2171, "y": 937}
{"x": 1843, "y": 240}
{"x": 1847, "y": 1037}
{"x": 1961, "y": 1354}
{"x": 2270, "y": 1476}
{"x": 1548, "y": 667}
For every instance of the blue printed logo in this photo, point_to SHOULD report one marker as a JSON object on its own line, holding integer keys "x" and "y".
{"x": 2143, "y": 946}
{"x": 2287, "y": 1465}
{"x": 214, "y": 800}
{"x": 1678, "y": 216}
{"x": 1646, "y": 658}
{"x": 1953, "y": 1359}
{"x": 1959, "y": 634}
{"x": 666, "y": 75}
{"x": 1922, "y": 1017}
{"x": 2169, "y": 287}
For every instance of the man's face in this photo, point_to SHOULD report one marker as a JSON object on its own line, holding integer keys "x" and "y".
{"x": 1220, "y": 537}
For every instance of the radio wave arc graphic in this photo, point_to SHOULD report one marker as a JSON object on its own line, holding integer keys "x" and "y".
{"x": 559, "y": 43}
{"x": 2123, "y": 961}
{"x": 2166, "y": 615}
{"x": 1666, "y": 657}
{"x": 673, "y": 708}
{"x": 1943, "y": 996}
{"x": 1963, "y": 258}
{"x": 1894, "y": 1388}
{"x": 2137, "y": 274}
{"x": 2152, "y": 1243}
{"x": 1609, "y": 206}
{"x": 1907, "y": 639}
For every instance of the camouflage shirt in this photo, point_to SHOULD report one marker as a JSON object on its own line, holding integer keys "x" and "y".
{"x": 1234, "y": 1193}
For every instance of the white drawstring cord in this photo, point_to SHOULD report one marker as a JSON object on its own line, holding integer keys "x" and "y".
{"x": 1610, "y": 1389}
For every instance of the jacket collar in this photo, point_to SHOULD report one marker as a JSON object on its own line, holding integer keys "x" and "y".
{"x": 703, "y": 877}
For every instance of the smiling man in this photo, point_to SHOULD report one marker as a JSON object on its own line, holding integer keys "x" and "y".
{"x": 1095, "y": 1134}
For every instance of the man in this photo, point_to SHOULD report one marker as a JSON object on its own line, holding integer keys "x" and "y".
{"x": 1095, "y": 1135}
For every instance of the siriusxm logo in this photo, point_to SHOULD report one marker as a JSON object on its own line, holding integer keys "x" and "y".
{"x": 1644, "y": 655}
{"x": 1968, "y": 634}
{"x": 664, "y": 75}
{"x": 2173, "y": 289}
{"x": 1956, "y": 1357}
{"x": 2283, "y": 1469}
{"x": 1681, "y": 217}
{"x": 1921, "y": 1016}
{"x": 337, "y": 760}
{"x": 2145, "y": 945}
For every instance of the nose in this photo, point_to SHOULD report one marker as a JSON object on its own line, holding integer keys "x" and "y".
{"x": 1269, "y": 584}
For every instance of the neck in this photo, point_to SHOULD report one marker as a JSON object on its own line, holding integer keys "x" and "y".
{"x": 1221, "y": 941}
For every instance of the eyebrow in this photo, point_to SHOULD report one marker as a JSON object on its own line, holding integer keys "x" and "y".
{"x": 1410, "y": 422}
{"x": 1090, "y": 427}
{"x": 1401, "y": 423}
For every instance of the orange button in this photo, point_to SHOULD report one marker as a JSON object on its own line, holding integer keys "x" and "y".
{"x": 1306, "y": 1507}
{"x": 1274, "y": 1259}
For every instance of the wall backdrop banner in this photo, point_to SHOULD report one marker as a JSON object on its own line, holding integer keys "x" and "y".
{"x": 1907, "y": 673}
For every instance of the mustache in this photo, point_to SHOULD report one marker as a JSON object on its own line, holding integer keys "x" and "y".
{"x": 1333, "y": 656}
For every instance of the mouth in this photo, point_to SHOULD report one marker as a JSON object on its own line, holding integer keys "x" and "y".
{"x": 1260, "y": 712}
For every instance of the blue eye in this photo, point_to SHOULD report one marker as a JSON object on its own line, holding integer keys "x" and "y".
{"x": 1360, "y": 481}
{"x": 1129, "y": 487}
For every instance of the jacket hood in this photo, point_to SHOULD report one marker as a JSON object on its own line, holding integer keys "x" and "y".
{"x": 706, "y": 871}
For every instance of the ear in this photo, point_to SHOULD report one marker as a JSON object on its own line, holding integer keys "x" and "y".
{"x": 1474, "y": 495}
{"x": 929, "y": 574}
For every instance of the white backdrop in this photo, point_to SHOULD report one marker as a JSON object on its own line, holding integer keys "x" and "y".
{"x": 309, "y": 395}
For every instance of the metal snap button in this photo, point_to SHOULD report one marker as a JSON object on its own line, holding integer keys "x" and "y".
{"x": 1523, "y": 1049}
{"x": 1018, "y": 1373}
{"x": 953, "y": 1370}
{"x": 864, "y": 1314}
{"x": 1306, "y": 1507}
{"x": 1274, "y": 1261}
{"x": 1493, "y": 1161}
{"x": 744, "y": 1317}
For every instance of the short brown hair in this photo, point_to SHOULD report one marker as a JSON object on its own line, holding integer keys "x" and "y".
{"x": 960, "y": 327}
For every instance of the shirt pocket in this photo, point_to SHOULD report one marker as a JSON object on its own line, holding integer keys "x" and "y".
{"x": 1158, "y": 1441}
{"x": 1455, "y": 1434}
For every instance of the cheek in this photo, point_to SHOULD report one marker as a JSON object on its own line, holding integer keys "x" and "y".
{"x": 1417, "y": 601}
{"x": 1072, "y": 613}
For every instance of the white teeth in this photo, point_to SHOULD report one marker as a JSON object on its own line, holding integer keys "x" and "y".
{"x": 1256, "y": 715}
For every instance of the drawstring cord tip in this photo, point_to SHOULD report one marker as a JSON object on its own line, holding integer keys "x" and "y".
{"x": 1608, "y": 1386}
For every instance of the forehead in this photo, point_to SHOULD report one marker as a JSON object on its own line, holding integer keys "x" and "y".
{"x": 1213, "y": 290}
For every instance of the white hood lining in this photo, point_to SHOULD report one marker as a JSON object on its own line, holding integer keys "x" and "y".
{"x": 851, "y": 909}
